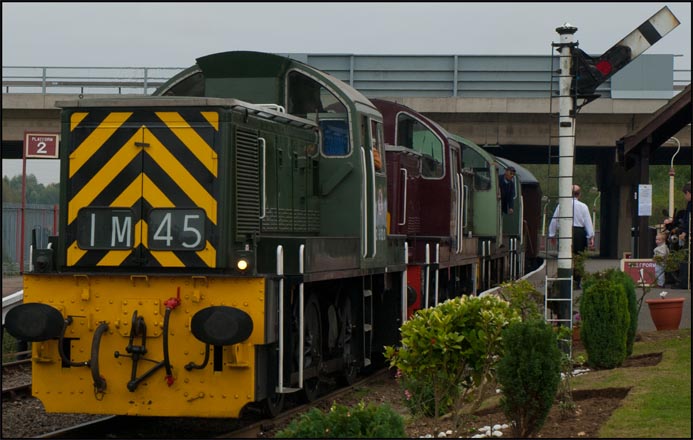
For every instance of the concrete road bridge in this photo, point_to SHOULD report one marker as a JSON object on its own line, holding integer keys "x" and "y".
{"x": 504, "y": 103}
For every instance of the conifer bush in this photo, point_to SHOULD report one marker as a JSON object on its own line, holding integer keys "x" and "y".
{"x": 627, "y": 282}
{"x": 529, "y": 373}
{"x": 605, "y": 321}
{"x": 358, "y": 421}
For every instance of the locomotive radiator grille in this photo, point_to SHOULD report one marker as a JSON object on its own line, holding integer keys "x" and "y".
{"x": 247, "y": 182}
{"x": 142, "y": 189}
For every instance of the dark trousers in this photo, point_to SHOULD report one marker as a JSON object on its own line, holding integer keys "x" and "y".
{"x": 579, "y": 239}
{"x": 579, "y": 245}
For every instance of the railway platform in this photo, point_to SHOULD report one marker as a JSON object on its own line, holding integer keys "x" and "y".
{"x": 645, "y": 323}
{"x": 11, "y": 284}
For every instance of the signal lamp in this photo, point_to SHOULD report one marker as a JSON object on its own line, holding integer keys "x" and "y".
{"x": 242, "y": 264}
{"x": 604, "y": 67}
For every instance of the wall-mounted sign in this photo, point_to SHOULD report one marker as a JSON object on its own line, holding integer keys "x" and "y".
{"x": 633, "y": 266}
{"x": 41, "y": 145}
{"x": 644, "y": 200}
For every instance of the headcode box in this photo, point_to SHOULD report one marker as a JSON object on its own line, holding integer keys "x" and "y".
{"x": 632, "y": 267}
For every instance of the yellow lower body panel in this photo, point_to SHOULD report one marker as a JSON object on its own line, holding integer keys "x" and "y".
{"x": 220, "y": 389}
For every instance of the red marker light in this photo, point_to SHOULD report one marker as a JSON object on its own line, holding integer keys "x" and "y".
{"x": 604, "y": 67}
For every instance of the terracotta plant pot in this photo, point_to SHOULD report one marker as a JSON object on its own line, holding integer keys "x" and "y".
{"x": 666, "y": 313}
{"x": 576, "y": 333}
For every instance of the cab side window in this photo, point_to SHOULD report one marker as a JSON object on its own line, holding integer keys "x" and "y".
{"x": 308, "y": 98}
{"x": 303, "y": 95}
{"x": 335, "y": 137}
{"x": 377, "y": 145}
{"x": 413, "y": 134}
{"x": 481, "y": 167}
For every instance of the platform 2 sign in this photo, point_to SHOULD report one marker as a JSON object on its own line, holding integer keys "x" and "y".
{"x": 41, "y": 145}
{"x": 632, "y": 267}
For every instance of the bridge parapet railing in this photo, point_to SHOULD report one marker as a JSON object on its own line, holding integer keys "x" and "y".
{"x": 470, "y": 76}
{"x": 85, "y": 80}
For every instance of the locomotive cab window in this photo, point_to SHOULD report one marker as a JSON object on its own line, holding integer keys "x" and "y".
{"x": 335, "y": 137}
{"x": 482, "y": 172}
{"x": 193, "y": 85}
{"x": 305, "y": 95}
{"x": 377, "y": 145}
{"x": 309, "y": 99}
{"x": 413, "y": 134}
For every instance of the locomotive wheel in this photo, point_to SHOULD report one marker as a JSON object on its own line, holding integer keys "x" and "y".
{"x": 273, "y": 405}
{"x": 348, "y": 344}
{"x": 312, "y": 347}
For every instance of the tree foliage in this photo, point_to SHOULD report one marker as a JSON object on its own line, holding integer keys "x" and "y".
{"x": 35, "y": 192}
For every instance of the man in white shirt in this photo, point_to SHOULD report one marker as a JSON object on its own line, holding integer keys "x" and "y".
{"x": 583, "y": 231}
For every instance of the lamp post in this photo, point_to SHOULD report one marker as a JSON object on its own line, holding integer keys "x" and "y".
{"x": 672, "y": 174}
{"x": 594, "y": 213}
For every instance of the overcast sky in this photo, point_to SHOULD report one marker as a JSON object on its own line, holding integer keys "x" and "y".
{"x": 175, "y": 34}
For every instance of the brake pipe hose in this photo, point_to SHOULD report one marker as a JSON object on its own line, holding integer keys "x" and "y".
{"x": 61, "y": 349}
{"x": 99, "y": 381}
{"x": 170, "y": 304}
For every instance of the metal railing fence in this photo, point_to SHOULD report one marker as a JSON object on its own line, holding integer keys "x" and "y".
{"x": 42, "y": 217}
{"x": 92, "y": 80}
{"x": 521, "y": 76}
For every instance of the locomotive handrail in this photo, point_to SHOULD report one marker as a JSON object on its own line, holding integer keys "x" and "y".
{"x": 263, "y": 203}
{"x": 404, "y": 201}
{"x": 427, "y": 284}
{"x": 460, "y": 212}
{"x": 364, "y": 221}
{"x": 437, "y": 272}
{"x": 280, "y": 273}
{"x": 281, "y": 389}
{"x": 301, "y": 319}
{"x": 511, "y": 261}
{"x": 374, "y": 234}
{"x": 404, "y": 282}
{"x": 466, "y": 205}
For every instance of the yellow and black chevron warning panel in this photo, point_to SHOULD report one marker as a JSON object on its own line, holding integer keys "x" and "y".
{"x": 142, "y": 188}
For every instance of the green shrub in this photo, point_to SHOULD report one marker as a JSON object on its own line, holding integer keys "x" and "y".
{"x": 627, "y": 282}
{"x": 358, "y": 421}
{"x": 605, "y": 322}
{"x": 579, "y": 263}
{"x": 420, "y": 397}
{"x": 448, "y": 352}
{"x": 529, "y": 373}
{"x": 524, "y": 298}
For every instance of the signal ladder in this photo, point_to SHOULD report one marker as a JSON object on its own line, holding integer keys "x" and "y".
{"x": 552, "y": 190}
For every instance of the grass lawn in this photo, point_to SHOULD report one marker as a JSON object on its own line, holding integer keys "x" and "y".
{"x": 659, "y": 402}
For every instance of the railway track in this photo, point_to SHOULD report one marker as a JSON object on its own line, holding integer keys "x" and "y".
{"x": 166, "y": 427}
{"x": 257, "y": 429}
{"x": 16, "y": 378}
